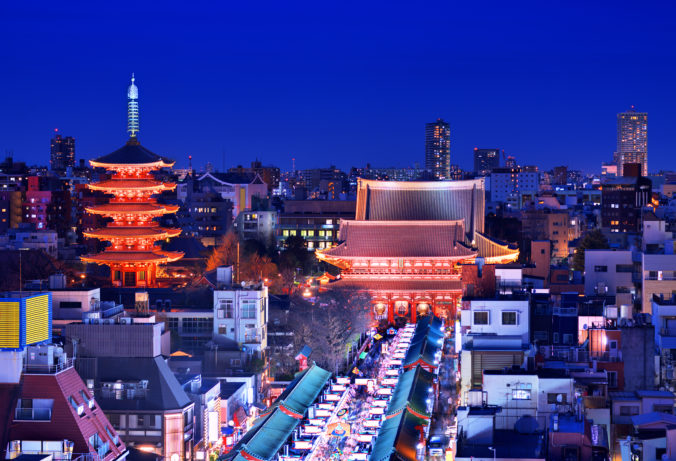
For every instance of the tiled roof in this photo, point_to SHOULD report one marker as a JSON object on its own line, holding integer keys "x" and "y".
{"x": 412, "y": 391}
{"x": 132, "y": 153}
{"x": 138, "y": 184}
{"x": 401, "y": 239}
{"x": 128, "y": 232}
{"x": 397, "y": 438}
{"x": 269, "y": 433}
{"x": 423, "y": 201}
{"x": 133, "y": 256}
{"x": 164, "y": 390}
{"x": 395, "y": 285}
{"x": 489, "y": 247}
{"x": 132, "y": 208}
{"x": 64, "y": 421}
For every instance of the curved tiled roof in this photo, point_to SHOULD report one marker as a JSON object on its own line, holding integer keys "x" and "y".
{"x": 422, "y": 201}
{"x": 395, "y": 285}
{"x": 158, "y": 257}
{"x": 132, "y": 208}
{"x": 401, "y": 239}
{"x": 132, "y": 153}
{"x": 138, "y": 184}
{"x": 132, "y": 232}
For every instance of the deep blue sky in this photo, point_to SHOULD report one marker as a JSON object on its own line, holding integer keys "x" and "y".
{"x": 338, "y": 82}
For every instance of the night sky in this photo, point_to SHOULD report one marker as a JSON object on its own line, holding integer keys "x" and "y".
{"x": 341, "y": 83}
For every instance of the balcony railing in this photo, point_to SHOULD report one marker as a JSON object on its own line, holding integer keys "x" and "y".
{"x": 667, "y": 331}
{"x": 607, "y": 356}
{"x": 252, "y": 339}
{"x": 33, "y": 414}
{"x": 40, "y": 369}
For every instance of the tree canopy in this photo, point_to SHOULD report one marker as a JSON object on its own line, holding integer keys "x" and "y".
{"x": 592, "y": 240}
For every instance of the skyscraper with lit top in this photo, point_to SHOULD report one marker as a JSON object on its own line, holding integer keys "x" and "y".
{"x": 632, "y": 140}
{"x": 438, "y": 149}
{"x": 132, "y": 255}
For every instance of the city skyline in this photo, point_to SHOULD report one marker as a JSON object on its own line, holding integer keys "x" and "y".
{"x": 368, "y": 91}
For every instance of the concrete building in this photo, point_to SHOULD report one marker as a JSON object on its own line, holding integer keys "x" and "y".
{"x": 438, "y": 149}
{"x": 659, "y": 278}
{"x": 621, "y": 201}
{"x": 547, "y": 224}
{"x": 664, "y": 320}
{"x": 508, "y": 184}
{"x": 316, "y": 221}
{"x": 486, "y": 160}
{"x": 28, "y": 237}
{"x": 609, "y": 272}
{"x": 123, "y": 367}
{"x": 240, "y": 312}
{"x": 528, "y": 393}
{"x": 257, "y": 225}
{"x": 632, "y": 139}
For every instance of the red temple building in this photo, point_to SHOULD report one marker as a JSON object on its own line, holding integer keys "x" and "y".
{"x": 132, "y": 255}
{"x": 408, "y": 242}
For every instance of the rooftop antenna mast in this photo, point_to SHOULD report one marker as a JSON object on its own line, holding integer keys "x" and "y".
{"x": 132, "y": 109}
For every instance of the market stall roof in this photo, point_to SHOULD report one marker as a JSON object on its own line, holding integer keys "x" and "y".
{"x": 412, "y": 392}
{"x": 398, "y": 438}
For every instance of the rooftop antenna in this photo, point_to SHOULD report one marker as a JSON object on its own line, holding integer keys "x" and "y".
{"x": 132, "y": 109}
{"x": 293, "y": 165}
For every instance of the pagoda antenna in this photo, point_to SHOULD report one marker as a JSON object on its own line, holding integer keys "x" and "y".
{"x": 293, "y": 165}
{"x": 132, "y": 109}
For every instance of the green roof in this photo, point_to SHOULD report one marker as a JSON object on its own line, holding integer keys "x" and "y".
{"x": 272, "y": 430}
{"x": 397, "y": 437}
{"x": 412, "y": 390}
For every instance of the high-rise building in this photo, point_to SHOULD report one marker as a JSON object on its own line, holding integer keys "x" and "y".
{"x": 62, "y": 152}
{"x": 438, "y": 149}
{"x": 632, "y": 139}
{"x": 485, "y": 160}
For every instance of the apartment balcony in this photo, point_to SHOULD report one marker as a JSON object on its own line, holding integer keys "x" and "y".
{"x": 253, "y": 340}
{"x": 33, "y": 414}
{"x": 607, "y": 356}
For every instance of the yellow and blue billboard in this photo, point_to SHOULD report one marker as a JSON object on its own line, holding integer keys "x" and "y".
{"x": 25, "y": 319}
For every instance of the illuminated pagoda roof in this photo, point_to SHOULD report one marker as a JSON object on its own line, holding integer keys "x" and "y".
{"x": 400, "y": 239}
{"x": 135, "y": 184}
{"x": 112, "y": 232}
{"x": 132, "y": 154}
{"x": 147, "y": 257}
{"x": 133, "y": 208}
{"x": 393, "y": 285}
{"x": 495, "y": 251}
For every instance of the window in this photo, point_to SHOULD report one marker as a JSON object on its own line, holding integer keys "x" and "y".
{"x": 222, "y": 329}
{"x": 520, "y": 394}
{"x": 225, "y": 310}
{"x": 600, "y": 268}
{"x": 612, "y": 379}
{"x": 509, "y": 318}
{"x": 235, "y": 362}
{"x": 662, "y": 408}
{"x": 248, "y": 308}
{"x": 481, "y": 318}
{"x": 628, "y": 410}
{"x": 79, "y": 409}
{"x": 624, "y": 268}
{"x": 541, "y": 335}
{"x": 567, "y": 338}
{"x": 554, "y": 398}
{"x": 70, "y": 305}
{"x": 555, "y": 338}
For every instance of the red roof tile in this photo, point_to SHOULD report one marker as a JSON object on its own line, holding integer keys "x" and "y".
{"x": 401, "y": 239}
{"x": 396, "y": 285}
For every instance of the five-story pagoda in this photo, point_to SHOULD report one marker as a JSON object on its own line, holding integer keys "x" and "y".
{"x": 132, "y": 255}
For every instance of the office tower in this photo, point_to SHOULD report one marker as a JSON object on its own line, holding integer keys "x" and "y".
{"x": 510, "y": 162}
{"x": 62, "y": 152}
{"x": 485, "y": 160}
{"x": 438, "y": 149}
{"x": 632, "y": 139}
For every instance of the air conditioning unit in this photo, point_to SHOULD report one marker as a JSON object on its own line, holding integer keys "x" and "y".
{"x": 126, "y": 320}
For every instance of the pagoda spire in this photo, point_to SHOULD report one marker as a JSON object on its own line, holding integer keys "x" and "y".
{"x": 132, "y": 109}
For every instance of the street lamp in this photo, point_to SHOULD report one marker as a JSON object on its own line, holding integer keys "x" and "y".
{"x": 493, "y": 450}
